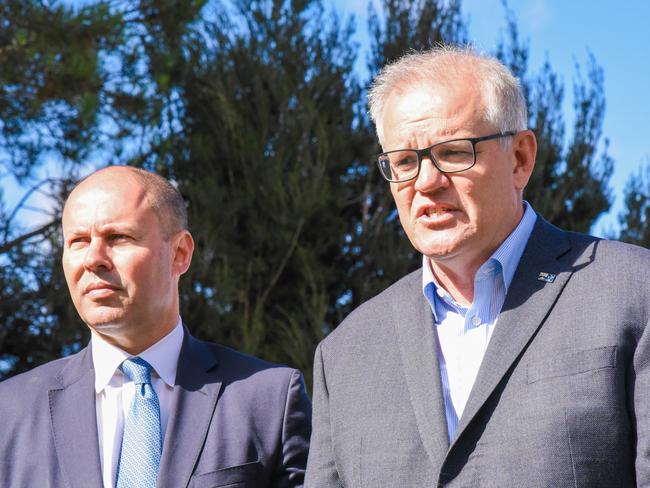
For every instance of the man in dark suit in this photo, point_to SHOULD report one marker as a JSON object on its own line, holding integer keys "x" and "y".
{"x": 519, "y": 354}
{"x": 145, "y": 404}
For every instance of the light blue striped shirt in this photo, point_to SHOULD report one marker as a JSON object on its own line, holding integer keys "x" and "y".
{"x": 463, "y": 333}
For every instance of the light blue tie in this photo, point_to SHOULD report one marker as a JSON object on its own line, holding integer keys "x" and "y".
{"x": 142, "y": 441}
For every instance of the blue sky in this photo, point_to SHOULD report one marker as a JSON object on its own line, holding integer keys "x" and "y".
{"x": 618, "y": 35}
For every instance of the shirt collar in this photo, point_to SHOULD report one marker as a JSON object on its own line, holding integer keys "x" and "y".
{"x": 162, "y": 356}
{"x": 507, "y": 254}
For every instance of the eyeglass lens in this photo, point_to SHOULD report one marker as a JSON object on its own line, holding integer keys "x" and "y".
{"x": 449, "y": 157}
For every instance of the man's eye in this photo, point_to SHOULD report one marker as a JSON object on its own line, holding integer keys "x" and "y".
{"x": 118, "y": 237}
{"x": 453, "y": 152}
{"x": 407, "y": 161}
{"x": 77, "y": 241}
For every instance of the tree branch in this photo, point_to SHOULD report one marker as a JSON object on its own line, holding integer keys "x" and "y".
{"x": 22, "y": 202}
{"x": 8, "y": 246}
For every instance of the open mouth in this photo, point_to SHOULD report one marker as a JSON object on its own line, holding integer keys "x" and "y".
{"x": 434, "y": 211}
{"x": 437, "y": 214}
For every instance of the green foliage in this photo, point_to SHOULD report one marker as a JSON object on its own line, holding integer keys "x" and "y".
{"x": 635, "y": 218}
{"x": 405, "y": 25}
{"x": 267, "y": 142}
{"x": 51, "y": 79}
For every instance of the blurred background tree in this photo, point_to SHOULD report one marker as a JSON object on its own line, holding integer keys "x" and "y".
{"x": 570, "y": 184}
{"x": 635, "y": 218}
{"x": 254, "y": 109}
{"x": 267, "y": 143}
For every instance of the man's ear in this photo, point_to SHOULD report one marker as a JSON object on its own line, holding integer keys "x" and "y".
{"x": 182, "y": 250}
{"x": 524, "y": 149}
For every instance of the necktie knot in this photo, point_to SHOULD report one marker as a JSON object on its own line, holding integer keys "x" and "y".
{"x": 137, "y": 370}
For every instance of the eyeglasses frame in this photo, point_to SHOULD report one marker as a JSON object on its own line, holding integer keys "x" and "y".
{"x": 426, "y": 152}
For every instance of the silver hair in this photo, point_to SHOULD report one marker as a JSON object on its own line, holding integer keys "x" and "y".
{"x": 505, "y": 106}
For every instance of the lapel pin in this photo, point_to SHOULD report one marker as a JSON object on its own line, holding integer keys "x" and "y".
{"x": 546, "y": 277}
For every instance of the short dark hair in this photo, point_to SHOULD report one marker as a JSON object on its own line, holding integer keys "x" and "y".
{"x": 165, "y": 199}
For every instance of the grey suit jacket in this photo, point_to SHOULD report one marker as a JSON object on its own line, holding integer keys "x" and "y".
{"x": 562, "y": 397}
{"x": 236, "y": 421}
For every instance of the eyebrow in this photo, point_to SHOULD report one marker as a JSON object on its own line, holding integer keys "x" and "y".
{"x": 116, "y": 227}
{"x": 75, "y": 231}
{"x": 108, "y": 228}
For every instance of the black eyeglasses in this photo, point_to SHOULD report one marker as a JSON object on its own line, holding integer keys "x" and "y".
{"x": 451, "y": 156}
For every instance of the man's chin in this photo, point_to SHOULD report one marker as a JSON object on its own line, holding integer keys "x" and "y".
{"x": 442, "y": 244}
{"x": 105, "y": 324}
{"x": 438, "y": 251}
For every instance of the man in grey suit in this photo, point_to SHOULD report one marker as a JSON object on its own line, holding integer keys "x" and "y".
{"x": 145, "y": 404}
{"x": 518, "y": 355}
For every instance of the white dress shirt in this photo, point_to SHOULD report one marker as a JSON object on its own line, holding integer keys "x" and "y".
{"x": 114, "y": 391}
{"x": 463, "y": 333}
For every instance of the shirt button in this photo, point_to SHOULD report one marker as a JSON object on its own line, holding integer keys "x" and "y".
{"x": 476, "y": 320}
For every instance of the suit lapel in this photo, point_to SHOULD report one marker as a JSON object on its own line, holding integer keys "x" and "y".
{"x": 195, "y": 396}
{"x": 527, "y": 304}
{"x": 74, "y": 422}
{"x": 413, "y": 321}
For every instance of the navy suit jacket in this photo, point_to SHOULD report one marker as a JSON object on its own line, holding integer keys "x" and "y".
{"x": 235, "y": 421}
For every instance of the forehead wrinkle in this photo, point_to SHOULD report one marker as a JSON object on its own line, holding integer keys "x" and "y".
{"x": 103, "y": 227}
{"x": 419, "y": 133}
{"x": 428, "y": 115}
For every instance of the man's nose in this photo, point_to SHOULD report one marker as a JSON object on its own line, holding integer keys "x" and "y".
{"x": 97, "y": 255}
{"x": 430, "y": 177}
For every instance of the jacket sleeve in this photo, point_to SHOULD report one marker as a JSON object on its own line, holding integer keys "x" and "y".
{"x": 296, "y": 431}
{"x": 321, "y": 466}
{"x": 641, "y": 403}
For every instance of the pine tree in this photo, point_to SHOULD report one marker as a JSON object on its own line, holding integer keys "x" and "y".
{"x": 570, "y": 184}
{"x": 267, "y": 144}
{"x": 635, "y": 218}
